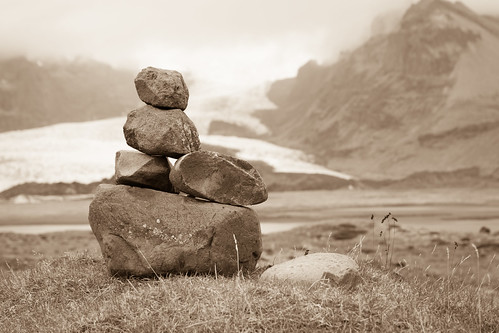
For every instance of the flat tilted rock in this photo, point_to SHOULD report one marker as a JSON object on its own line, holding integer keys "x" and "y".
{"x": 162, "y": 88}
{"x": 218, "y": 177}
{"x": 143, "y": 232}
{"x": 138, "y": 169}
{"x": 332, "y": 268}
{"x": 161, "y": 132}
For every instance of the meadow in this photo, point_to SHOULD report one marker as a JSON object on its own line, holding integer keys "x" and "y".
{"x": 418, "y": 274}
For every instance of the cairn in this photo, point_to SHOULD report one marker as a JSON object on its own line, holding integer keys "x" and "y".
{"x": 189, "y": 217}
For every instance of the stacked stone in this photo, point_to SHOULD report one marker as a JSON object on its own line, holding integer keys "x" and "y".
{"x": 144, "y": 225}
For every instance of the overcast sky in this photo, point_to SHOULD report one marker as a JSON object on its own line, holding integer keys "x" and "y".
{"x": 223, "y": 40}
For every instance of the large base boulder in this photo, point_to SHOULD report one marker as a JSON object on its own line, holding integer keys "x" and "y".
{"x": 142, "y": 232}
{"x": 332, "y": 268}
{"x": 218, "y": 177}
{"x": 161, "y": 132}
{"x": 137, "y": 169}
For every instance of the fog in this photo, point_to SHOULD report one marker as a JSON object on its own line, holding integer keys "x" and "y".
{"x": 237, "y": 43}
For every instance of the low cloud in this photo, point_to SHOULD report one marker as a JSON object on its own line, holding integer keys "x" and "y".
{"x": 223, "y": 39}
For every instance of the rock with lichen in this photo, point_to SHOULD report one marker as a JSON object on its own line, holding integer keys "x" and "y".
{"x": 143, "y": 232}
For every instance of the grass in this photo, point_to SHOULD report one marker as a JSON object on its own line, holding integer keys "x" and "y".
{"x": 445, "y": 288}
{"x": 75, "y": 294}
{"x": 22, "y": 251}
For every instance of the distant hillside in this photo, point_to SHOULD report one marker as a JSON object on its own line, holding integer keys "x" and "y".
{"x": 35, "y": 94}
{"x": 49, "y": 189}
{"x": 421, "y": 98}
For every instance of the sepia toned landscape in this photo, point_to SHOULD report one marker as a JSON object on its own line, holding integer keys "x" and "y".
{"x": 380, "y": 147}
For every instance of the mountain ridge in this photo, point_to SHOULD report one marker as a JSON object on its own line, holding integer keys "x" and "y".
{"x": 423, "y": 97}
{"x": 36, "y": 93}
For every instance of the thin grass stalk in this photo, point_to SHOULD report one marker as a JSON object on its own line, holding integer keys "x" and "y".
{"x": 237, "y": 256}
{"x": 328, "y": 242}
{"x": 447, "y": 286}
{"x": 374, "y": 226}
{"x": 479, "y": 305}
{"x": 147, "y": 261}
{"x": 393, "y": 240}
{"x": 387, "y": 242}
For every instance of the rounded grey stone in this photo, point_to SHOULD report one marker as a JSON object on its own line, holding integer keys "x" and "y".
{"x": 162, "y": 88}
{"x": 332, "y": 268}
{"x": 161, "y": 132}
{"x": 218, "y": 177}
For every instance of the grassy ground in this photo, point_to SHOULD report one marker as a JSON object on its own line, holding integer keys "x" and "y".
{"x": 22, "y": 251}
{"x": 74, "y": 293}
{"x": 413, "y": 279}
{"x": 407, "y": 250}
{"x": 411, "y": 282}
{"x": 408, "y": 247}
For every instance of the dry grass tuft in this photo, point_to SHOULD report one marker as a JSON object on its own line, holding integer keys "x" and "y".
{"x": 74, "y": 293}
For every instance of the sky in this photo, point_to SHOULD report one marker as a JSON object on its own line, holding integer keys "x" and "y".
{"x": 234, "y": 42}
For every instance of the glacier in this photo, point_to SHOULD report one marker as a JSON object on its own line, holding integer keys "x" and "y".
{"x": 85, "y": 152}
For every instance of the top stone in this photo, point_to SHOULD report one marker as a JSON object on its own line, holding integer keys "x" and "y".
{"x": 162, "y": 88}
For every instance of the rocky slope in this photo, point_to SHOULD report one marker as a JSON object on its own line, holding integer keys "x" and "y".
{"x": 422, "y": 98}
{"x": 35, "y": 94}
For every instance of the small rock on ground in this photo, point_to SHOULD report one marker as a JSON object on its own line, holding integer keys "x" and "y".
{"x": 332, "y": 268}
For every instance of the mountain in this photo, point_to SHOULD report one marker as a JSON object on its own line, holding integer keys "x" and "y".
{"x": 35, "y": 93}
{"x": 61, "y": 133}
{"x": 423, "y": 97}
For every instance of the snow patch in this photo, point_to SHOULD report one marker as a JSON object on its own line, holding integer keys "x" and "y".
{"x": 85, "y": 152}
{"x": 282, "y": 159}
